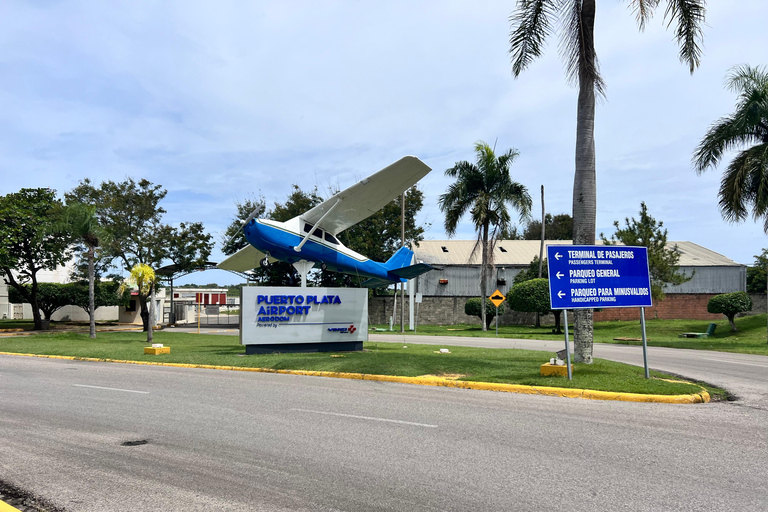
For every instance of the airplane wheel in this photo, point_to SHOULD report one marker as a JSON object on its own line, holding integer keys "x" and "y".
{"x": 264, "y": 263}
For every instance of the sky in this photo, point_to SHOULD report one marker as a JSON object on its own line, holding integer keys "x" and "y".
{"x": 224, "y": 101}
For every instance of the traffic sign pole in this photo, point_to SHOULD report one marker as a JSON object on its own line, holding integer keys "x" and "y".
{"x": 567, "y": 347}
{"x": 645, "y": 343}
{"x": 599, "y": 276}
{"x": 497, "y": 298}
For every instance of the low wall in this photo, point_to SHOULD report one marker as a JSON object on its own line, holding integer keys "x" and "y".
{"x": 450, "y": 310}
{"x": 690, "y": 306}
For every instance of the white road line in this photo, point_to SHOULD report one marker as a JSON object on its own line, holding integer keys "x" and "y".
{"x": 735, "y": 362}
{"x": 367, "y": 418}
{"x": 110, "y": 389}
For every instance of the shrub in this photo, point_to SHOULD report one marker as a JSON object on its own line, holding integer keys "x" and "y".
{"x": 472, "y": 308}
{"x": 533, "y": 297}
{"x": 730, "y": 304}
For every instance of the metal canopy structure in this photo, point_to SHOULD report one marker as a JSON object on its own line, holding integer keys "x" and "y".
{"x": 170, "y": 272}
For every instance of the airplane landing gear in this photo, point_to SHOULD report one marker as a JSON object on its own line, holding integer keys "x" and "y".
{"x": 265, "y": 262}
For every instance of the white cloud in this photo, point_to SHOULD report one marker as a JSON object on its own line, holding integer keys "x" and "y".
{"x": 216, "y": 101}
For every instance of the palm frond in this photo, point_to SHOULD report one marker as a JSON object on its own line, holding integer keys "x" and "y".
{"x": 689, "y": 15}
{"x": 744, "y": 184}
{"x": 577, "y": 47}
{"x": 745, "y": 77}
{"x": 532, "y": 25}
{"x": 643, "y": 10}
{"x": 726, "y": 134}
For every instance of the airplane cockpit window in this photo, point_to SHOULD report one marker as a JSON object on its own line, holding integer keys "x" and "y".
{"x": 307, "y": 227}
{"x": 318, "y": 233}
{"x": 329, "y": 238}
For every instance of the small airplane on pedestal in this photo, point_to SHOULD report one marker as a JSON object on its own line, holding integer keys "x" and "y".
{"x": 310, "y": 239}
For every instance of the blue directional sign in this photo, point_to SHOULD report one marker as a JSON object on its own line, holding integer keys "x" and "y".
{"x": 598, "y": 276}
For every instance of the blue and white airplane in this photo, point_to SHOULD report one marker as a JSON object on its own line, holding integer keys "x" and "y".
{"x": 310, "y": 239}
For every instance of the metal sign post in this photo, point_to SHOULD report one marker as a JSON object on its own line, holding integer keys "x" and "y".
{"x": 497, "y": 298}
{"x": 599, "y": 276}
{"x": 645, "y": 343}
{"x": 567, "y": 347}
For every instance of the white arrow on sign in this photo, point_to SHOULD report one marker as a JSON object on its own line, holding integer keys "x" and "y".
{"x": 560, "y": 294}
{"x": 558, "y": 256}
{"x": 559, "y": 274}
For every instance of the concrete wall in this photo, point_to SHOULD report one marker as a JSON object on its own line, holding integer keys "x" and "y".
{"x": 76, "y": 314}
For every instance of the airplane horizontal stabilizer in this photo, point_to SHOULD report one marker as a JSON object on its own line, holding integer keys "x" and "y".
{"x": 412, "y": 271}
{"x": 376, "y": 282}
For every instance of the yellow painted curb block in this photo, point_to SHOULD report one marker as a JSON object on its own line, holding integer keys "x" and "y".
{"x": 4, "y": 507}
{"x": 549, "y": 369}
{"x": 590, "y": 394}
{"x": 157, "y": 350}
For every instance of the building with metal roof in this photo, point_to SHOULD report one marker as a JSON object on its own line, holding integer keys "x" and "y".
{"x": 457, "y": 278}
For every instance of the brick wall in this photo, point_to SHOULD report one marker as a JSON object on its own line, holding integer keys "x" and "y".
{"x": 692, "y": 306}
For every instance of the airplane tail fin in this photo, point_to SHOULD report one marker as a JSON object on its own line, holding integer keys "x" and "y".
{"x": 401, "y": 258}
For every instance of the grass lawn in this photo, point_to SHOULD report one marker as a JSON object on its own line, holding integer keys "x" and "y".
{"x": 752, "y": 337}
{"x": 473, "y": 364}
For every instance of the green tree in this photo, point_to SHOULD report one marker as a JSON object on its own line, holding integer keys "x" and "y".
{"x": 558, "y": 227}
{"x": 756, "y": 274}
{"x": 662, "y": 261}
{"x": 81, "y": 222}
{"x": 51, "y": 297}
{"x": 532, "y": 296}
{"x": 486, "y": 190}
{"x": 233, "y": 239}
{"x": 105, "y": 294}
{"x": 130, "y": 214}
{"x": 744, "y": 185}
{"x": 730, "y": 304}
{"x": 29, "y": 243}
{"x": 532, "y": 22}
{"x": 472, "y": 308}
{"x": 187, "y": 246}
{"x": 532, "y": 271}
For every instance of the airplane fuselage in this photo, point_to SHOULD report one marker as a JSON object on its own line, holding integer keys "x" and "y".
{"x": 280, "y": 240}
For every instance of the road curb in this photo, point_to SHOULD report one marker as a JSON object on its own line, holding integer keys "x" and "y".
{"x": 589, "y": 394}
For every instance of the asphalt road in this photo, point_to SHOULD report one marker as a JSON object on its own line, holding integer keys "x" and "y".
{"x": 744, "y": 375}
{"x": 219, "y": 440}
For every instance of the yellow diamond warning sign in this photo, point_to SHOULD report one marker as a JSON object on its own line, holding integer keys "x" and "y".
{"x": 497, "y": 298}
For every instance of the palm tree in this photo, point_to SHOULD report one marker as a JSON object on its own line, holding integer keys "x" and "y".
{"x": 81, "y": 222}
{"x": 532, "y": 22}
{"x": 745, "y": 180}
{"x": 484, "y": 190}
{"x": 144, "y": 279}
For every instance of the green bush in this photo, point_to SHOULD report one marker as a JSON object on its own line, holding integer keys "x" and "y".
{"x": 532, "y": 296}
{"x": 472, "y": 308}
{"x": 730, "y": 304}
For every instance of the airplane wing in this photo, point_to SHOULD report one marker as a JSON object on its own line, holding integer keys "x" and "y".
{"x": 368, "y": 196}
{"x": 246, "y": 258}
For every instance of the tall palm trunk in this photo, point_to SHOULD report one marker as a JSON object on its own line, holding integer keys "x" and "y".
{"x": 151, "y": 326}
{"x": 584, "y": 185}
{"x": 91, "y": 292}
